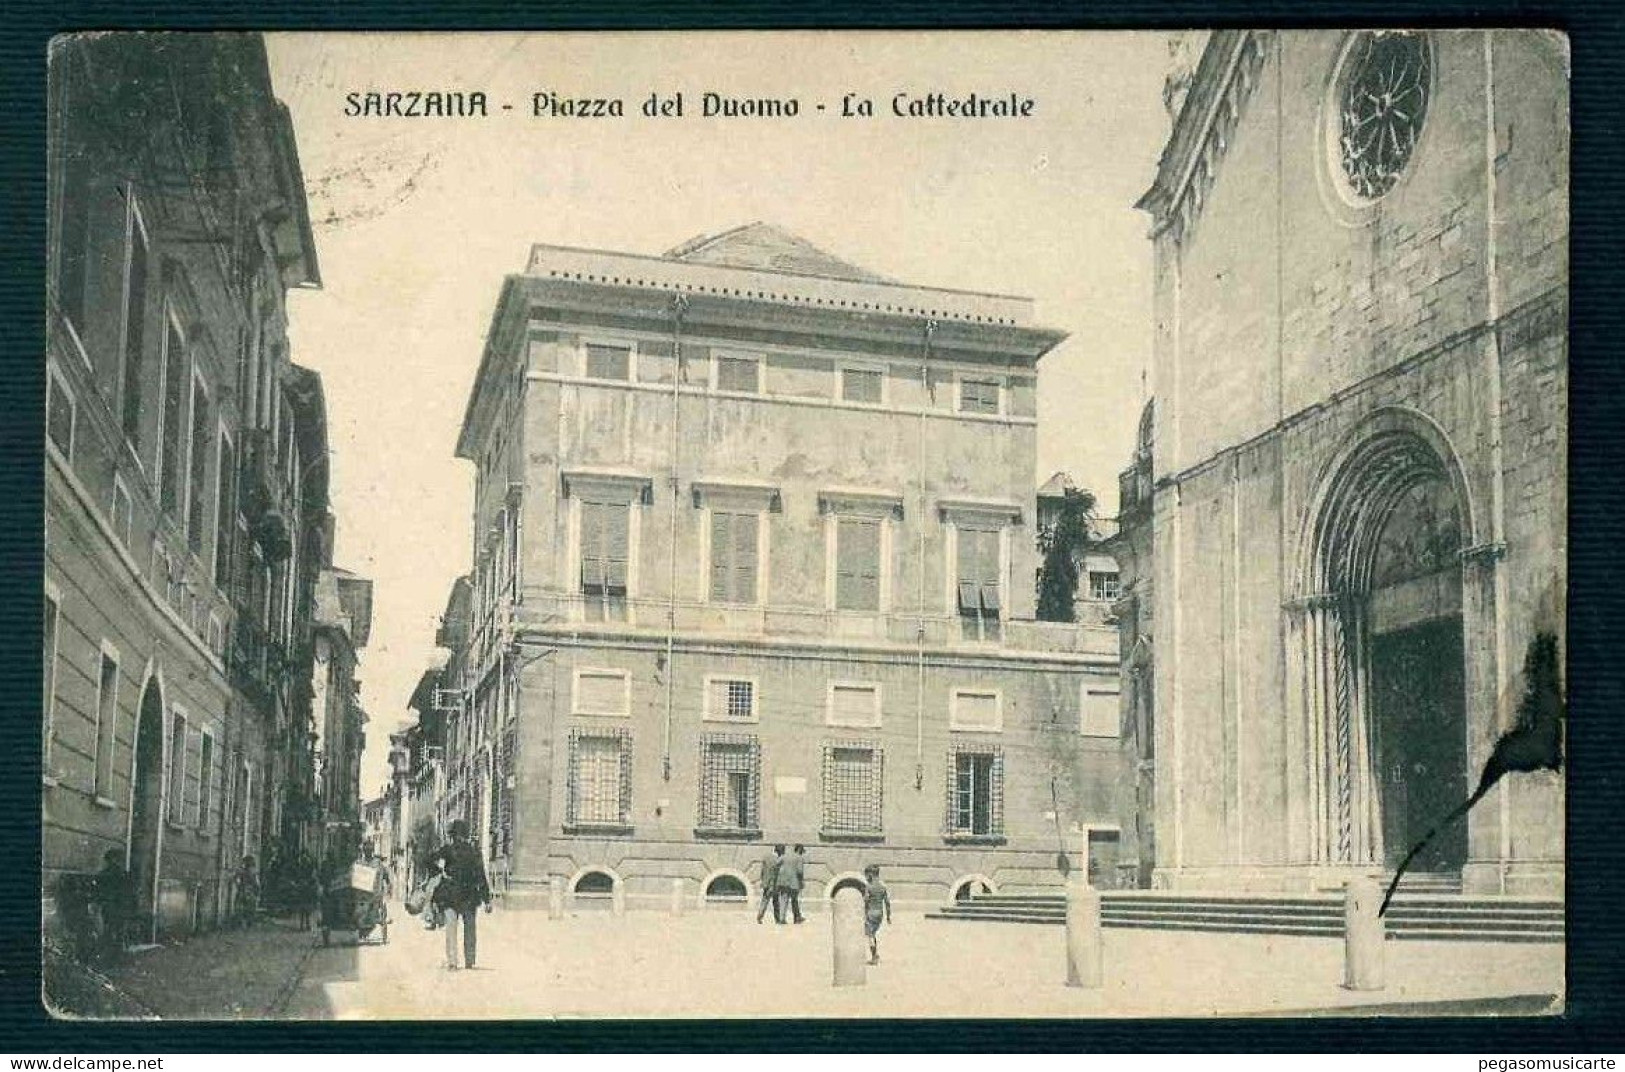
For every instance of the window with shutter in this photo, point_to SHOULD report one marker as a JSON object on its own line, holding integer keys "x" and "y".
{"x": 734, "y": 555}
{"x": 59, "y": 414}
{"x": 133, "y": 377}
{"x": 604, "y": 554}
{"x": 979, "y": 587}
{"x": 1100, "y": 712}
{"x": 857, "y": 564}
{"x": 202, "y": 426}
{"x": 173, "y": 440}
{"x": 739, "y": 374}
{"x": 854, "y": 704}
{"x": 861, "y": 385}
{"x": 979, "y": 396}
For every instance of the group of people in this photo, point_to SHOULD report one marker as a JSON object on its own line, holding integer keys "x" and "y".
{"x": 784, "y": 876}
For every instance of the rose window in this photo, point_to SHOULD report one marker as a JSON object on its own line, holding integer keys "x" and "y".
{"x": 1381, "y": 107}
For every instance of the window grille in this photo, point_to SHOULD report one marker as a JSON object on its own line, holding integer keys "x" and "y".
{"x": 853, "y": 787}
{"x": 733, "y": 699}
{"x": 600, "y": 777}
{"x": 857, "y": 564}
{"x": 734, "y": 542}
{"x": 975, "y": 797}
{"x": 730, "y": 782}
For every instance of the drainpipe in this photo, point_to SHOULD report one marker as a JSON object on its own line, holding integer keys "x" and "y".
{"x": 679, "y": 305}
{"x": 919, "y": 627}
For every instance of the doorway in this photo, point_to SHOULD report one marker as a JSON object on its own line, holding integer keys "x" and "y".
{"x": 146, "y": 805}
{"x": 1420, "y": 722}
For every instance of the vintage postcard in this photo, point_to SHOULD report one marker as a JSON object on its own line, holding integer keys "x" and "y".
{"x": 817, "y": 524}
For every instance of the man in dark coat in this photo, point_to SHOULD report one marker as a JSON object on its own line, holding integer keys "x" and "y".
{"x": 792, "y": 876}
{"x": 770, "y": 885}
{"x": 461, "y": 892}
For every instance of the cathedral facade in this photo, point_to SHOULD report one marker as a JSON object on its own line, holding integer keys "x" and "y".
{"x": 1354, "y": 526}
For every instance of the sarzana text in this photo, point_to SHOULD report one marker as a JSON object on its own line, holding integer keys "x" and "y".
{"x": 415, "y": 104}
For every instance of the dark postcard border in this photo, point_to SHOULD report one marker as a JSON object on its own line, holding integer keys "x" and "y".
{"x": 1596, "y": 772}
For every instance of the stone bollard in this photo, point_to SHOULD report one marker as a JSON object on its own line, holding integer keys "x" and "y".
{"x": 1362, "y": 935}
{"x": 555, "y": 898}
{"x": 676, "y": 896}
{"x": 851, "y": 947}
{"x": 1083, "y": 940}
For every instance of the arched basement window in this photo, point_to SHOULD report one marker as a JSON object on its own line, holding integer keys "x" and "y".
{"x": 596, "y": 883}
{"x": 724, "y": 889}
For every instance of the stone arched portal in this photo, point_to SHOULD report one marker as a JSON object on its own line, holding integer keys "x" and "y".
{"x": 1380, "y": 630}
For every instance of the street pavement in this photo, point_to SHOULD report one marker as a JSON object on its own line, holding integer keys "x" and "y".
{"x": 224, "y": 975}
{"x": 721, "y": 963}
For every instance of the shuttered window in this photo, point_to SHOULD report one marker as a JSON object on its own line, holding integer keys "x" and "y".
{"x": 106, "y": 724}
{"x": 602, "y": 692}
{"x": 225, "y": 510}
{"x": 739, "y": 374}
{"x": 205, "y": 780}
{"x": 861, "y": 385}
{"x": 857, "y": 564}
{"x": 173, "y": 439}
{"x": 979, "y": 396}
{"x": 854, "y": 705}
{"x": 202, "y": 426}
{"x": 853, "y": 788}
{"x": 600, "y": 778}
{"x": 1100, "y": 712}
{"x": 978, "y": 587}
{"x": 132, "y": 382}
{"x": 177, "y": 769}
{"x": 608, "y": 362}
{"x": 734, "y": 556}
{"x": 59, "y": 413}
{"x": 604, "y": 555}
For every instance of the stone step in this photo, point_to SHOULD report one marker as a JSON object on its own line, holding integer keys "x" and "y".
{"x": 1395, "y": 919}
{"x": 1300, "y": 928}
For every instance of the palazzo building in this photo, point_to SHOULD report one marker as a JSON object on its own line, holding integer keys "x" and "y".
{"x": 753, "y": 562}
{"x": 186, "y": 510}
{"x": 1353, "y": 525}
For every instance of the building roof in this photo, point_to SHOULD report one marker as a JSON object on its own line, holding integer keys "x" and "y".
{"x": 770, "y": 247}
{"x": 1057, "y": 486}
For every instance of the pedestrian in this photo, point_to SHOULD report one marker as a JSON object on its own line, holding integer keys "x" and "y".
{"x": 306, "y": 887}
{"x": 876, "y": 907}
{"x": 770, "y": 885}
{"x": 248, "y": 892}
{"x": 792, "y": 876}
{"x": 115, "y": 898}
{"x": 462, "y": 890}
